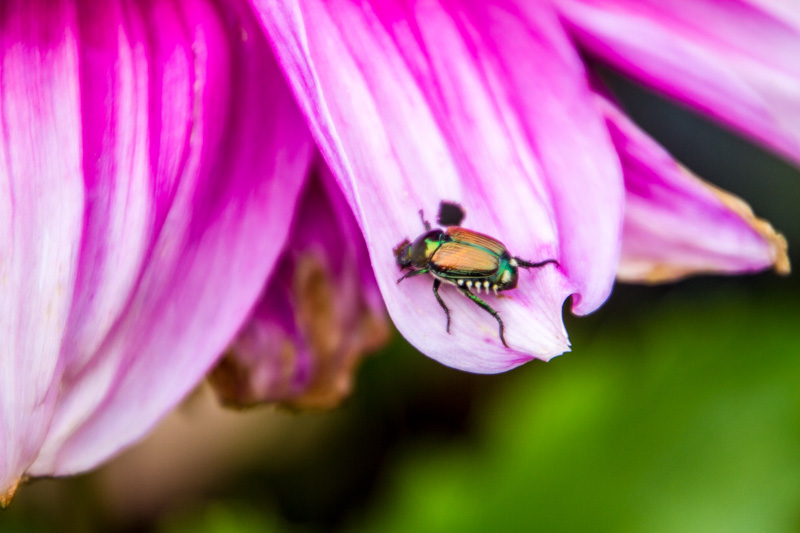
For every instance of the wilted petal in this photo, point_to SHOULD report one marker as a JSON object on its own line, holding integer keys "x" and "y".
{"x": 186, "y": 156}
{"x": 320, "y": 313}
{"x": 734, "y": 60}
{"x": 677, "y": 224}
{"x": 415, "y": 102}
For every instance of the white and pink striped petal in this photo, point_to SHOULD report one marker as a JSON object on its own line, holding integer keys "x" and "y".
{"x": 479, "y": 102}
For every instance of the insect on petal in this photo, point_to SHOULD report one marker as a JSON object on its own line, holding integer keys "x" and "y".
{"x": 417, "y": 102}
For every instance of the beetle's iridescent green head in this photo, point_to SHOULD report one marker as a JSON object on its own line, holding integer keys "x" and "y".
{"x": 417, "y": 254}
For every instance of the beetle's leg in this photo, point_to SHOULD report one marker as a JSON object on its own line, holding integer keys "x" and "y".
{"x": 413, "y": 273}
{"x": 424, "y": 222}
{"x": 436, "y": 285}
{"x": 486, "y": 307}
{"x": 528, "y": 264}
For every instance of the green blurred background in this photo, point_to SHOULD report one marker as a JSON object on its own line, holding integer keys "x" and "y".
{"x": 678, "y": 411}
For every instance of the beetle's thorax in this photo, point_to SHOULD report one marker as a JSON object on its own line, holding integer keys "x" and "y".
{"x": 424, "y": 246}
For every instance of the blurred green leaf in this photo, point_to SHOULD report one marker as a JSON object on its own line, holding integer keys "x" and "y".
{"x": 682, "y": 418}
{"x": 222, "y": 517}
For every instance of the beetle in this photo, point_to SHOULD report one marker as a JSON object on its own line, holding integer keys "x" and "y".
{"x": 462, "y": 257}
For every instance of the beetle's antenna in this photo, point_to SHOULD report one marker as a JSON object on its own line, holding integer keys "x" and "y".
{"x": 528, "y": 264}
{"x": 424, "y": 222}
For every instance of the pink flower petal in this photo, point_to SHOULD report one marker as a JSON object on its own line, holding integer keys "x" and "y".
{"x": 675, "y": 223}
{"x": 735, "y": 60}
{"x": 416, "y": 102}
{"x": 320, "y": 313}
{"x": 149, "y": 203}
{"x": 41, "y": 210}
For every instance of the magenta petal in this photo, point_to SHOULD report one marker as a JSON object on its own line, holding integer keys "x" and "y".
{"x": 151, "y": 162}
{"x": 476, "y": 102}
{"x": 734, "y": 60}
{"x": 675, "y": 223}
{"x": 320, "y": 313}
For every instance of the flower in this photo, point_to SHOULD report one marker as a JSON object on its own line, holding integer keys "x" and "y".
{"x": 152, "y": 157}
{"x": 150, "y": 163}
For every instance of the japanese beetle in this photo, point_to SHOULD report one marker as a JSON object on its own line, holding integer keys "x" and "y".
{"x": 464, "y": 258}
